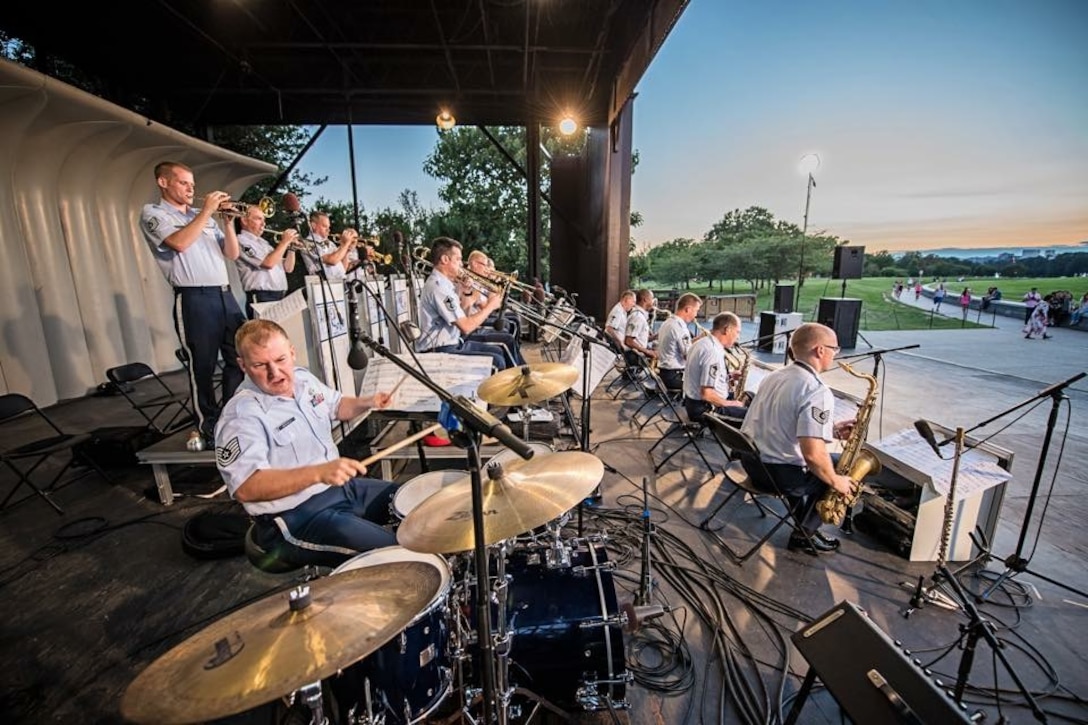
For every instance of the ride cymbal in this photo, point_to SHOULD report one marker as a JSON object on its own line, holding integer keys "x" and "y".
{"x": 517, "y": 497}
{"x": 275, "y": 646}
{"x": 527, "y": 384}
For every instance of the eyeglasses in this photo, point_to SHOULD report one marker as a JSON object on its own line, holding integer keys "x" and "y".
{"x": 833, "y": 348}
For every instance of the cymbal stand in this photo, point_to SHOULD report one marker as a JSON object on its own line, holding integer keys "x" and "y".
{"x": 311, "y": 697}
{"x": 467, "y": 424}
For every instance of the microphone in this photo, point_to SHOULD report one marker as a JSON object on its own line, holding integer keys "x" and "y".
{"x": 398, "y": 243}
{"x": 292, "y": 207}
{"x": 926, "y": 432}
{"x": 357, "y": 357}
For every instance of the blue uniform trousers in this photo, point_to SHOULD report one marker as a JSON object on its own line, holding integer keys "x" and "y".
{"x": 206, "y": 319}
{"x": 331, "y": 527}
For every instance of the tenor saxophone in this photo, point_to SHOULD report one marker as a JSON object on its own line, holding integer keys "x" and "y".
{"x": 854, "y": 462}
{"x": 737, "y": 388}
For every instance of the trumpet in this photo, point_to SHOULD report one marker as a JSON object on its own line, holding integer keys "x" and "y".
{"x": 240, "y": 208}
{"x": 296, "y": 245}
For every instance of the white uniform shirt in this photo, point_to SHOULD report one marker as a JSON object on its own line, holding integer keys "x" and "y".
{"x": 257, "y": 431}
{"x": 255, "y": 277}
{"x": 201, "y": 265}
{"x": 638, "y": 326}
{"x": 617, "y": 320}
{"x": 439, "y": 308}
{"x": 706, "y": 368}
{"x": 673, "y": 343}
{"x": 793, "y": 402}
{"x": 319, "y": 247}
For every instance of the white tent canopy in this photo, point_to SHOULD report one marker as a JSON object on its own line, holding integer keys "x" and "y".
{"x": 79, "y": 290}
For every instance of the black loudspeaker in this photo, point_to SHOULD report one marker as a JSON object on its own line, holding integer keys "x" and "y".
{"x": 843, "y": 315}
{"x": 848, "y": 263}
{"x": 871, "y": 678}
{"x": 783, "y": 298}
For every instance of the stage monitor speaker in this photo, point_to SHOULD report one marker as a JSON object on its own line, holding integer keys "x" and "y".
{"x": 843, "y": 315}
{"x": 848, "y": 263}
{"x": 871, "y": 678}
{"x": 783, "y": 298}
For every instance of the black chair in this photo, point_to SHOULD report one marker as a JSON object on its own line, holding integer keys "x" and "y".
{"x": 15, "y": 407}
{"x": 739, "y": 444}
{"x": 156, "y": 404}
{"x": 678, "y": 420}
{"x": 263, "y": 559}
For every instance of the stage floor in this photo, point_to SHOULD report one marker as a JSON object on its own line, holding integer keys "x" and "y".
{"x": 92, "y": 597}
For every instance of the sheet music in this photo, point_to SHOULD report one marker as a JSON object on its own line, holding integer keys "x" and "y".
{"x": 458, "y": 374}
{"x": 978, "y": 469}
{"x": 601, "y": 360}
{"x": 281, "y": 310}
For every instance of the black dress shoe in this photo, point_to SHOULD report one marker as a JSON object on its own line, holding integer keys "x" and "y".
{"x": 812, "y": 546}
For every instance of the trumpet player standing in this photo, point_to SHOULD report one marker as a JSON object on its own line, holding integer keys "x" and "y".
{"x": 326, "y": 258}
{"x": 791, "y": 422}
{"x": 674, "y": 340}
{"x": 191, "y": 251}
{"x": 263, "y": 267}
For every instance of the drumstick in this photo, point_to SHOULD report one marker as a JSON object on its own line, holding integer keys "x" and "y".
{"x": 400, "y": 444}
{"x": 397, "y": 386}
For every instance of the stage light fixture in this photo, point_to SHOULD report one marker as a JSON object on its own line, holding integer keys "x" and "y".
{"x": 445, "y": 120}
{"x": 567, "y": 126}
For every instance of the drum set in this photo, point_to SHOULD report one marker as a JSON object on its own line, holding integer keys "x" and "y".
{"x": 393, "y": 636}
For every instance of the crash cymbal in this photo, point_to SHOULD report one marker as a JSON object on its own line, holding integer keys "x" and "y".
{"x": 527, "y": 384}
{"x": 517, "y": 496}
{"x": 268, "y": 649}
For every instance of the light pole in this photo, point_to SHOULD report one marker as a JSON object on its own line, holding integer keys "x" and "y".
{"x": 809, "y": 163}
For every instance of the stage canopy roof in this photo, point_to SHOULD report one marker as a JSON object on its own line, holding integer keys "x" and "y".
{"x": 215, "y": 62}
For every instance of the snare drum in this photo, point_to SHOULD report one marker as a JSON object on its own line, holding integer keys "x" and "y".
{"x": 567, "y": 641}
{"x": 410, "y": 675}
{"x": 508, "y": 456}
{"x": 416, "y": 490}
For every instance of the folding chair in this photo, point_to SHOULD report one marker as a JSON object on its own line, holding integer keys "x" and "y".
{"x": 657, "y": 392}
{"x": 14, "y": 406}
{"x": 738, "y": 443}
{"x": 692, "y": 430}
{"x": 152, "y": 406}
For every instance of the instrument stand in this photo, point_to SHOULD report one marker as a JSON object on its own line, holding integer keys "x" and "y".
{"x": 1017, "y": 563}
{"x": 645, "y": 592}
{"x": 311, "y": 697}
{"x": 979, "y": 628}
{"x": 467, "y": 425}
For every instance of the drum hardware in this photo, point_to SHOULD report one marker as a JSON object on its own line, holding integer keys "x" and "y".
{"x": 271, "y": 647}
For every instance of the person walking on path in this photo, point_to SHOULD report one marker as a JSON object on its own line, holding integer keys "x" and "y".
{"x": 1031, "y": 300}
{"x": 1040, "y": 315}
{"x": 938, "y": 297}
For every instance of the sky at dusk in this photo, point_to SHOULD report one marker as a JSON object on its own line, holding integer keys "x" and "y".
{"x": 958, "y": 123}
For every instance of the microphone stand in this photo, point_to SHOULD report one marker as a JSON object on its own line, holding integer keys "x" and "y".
{"x": 324, "y": 283}
{"x": 476, "y": 424}
{"x": 1016, "y": 563}
{"x": 646, "y": 581}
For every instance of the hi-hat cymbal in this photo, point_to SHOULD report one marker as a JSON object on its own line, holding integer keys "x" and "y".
{"x": 265, "y": 650}
{"x": 527, "y": 384}
{"x": 517, "y": 497}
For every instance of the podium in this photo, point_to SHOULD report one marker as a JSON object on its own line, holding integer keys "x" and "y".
{"x": 910, "y": 514}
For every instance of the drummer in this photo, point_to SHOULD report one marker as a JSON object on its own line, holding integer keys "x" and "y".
{"x": 276, "y": 454}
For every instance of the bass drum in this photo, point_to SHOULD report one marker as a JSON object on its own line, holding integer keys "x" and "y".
{"x": 567, "y": 641}
{"x": 409, "y": 676}
{"x": 416, "y": 490}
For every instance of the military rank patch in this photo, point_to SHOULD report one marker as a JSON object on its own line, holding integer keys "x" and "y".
{"x": 820, "y": 416}
{"x": 152, "y": 224}
{"x": 228, "y": 453}
{"x": 451, "y": 304}
{"x": 714, "y": 371}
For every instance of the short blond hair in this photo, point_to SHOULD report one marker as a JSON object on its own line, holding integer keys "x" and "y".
{"x": 256, "y": 332}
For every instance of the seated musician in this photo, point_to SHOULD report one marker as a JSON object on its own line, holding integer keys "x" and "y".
{"x": 637, "y": 334}
{"x": 473, "y": 296}
{"x": 443, "y": 322}
{"x": 706, "y": 375}
{"x": 674, "y": 339}
{"x": 791, "y": 422}
{"x": 276, "y": 454}
{"x": 616, "y": 324}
